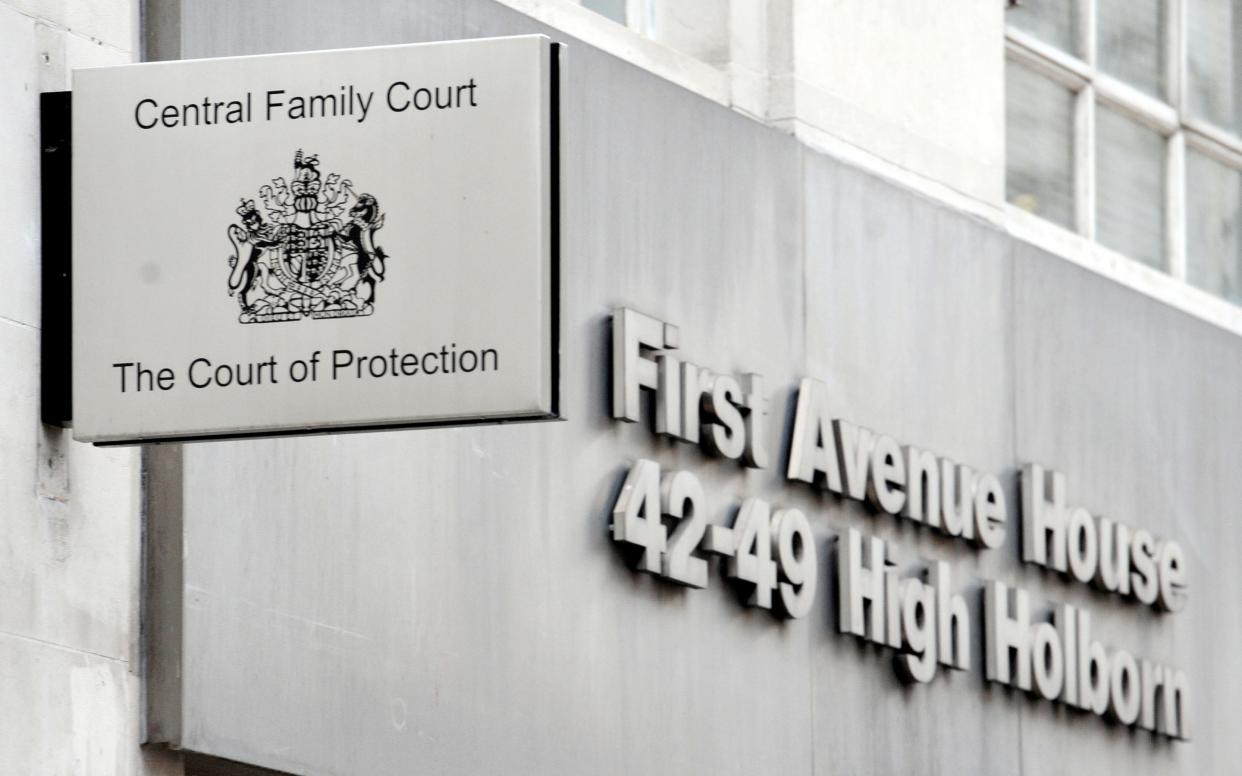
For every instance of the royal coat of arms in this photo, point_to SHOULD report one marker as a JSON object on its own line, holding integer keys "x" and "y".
{"x": 314, "y": 255}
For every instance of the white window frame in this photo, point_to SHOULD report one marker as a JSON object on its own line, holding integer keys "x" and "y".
{"x": 1171, "y": 118}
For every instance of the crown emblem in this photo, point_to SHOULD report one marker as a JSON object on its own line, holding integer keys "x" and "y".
{"x": 313, "y": 256}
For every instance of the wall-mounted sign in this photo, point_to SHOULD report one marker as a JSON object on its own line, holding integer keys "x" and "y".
{"x": 663, "y": 521}
{"x": 333, "y": 240}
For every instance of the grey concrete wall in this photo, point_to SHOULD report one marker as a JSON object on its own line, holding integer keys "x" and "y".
{"x": 1138, "y": 405}
{"x": 448, "y": 601}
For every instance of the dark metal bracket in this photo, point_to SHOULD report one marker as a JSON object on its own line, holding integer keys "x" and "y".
{"x": 56, "y": 347}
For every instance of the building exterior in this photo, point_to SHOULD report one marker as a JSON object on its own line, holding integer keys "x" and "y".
{"x": 1007, "y": 239}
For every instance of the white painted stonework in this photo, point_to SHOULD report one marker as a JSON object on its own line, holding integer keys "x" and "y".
{"x": 69, "y": 513}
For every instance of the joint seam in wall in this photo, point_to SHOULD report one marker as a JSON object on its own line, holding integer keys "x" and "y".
{"x": 21, "y": 324}
{"x": 62, "y": 647}
{"x": 62, "y": 28}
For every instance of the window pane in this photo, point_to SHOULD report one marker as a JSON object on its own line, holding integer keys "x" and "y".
{"x": 613, "y": 9}
{"x": 1131, "y": 45}
{"x": 1213, "y": 209}
{"x": 1039, "y": 156}
{"x": 1214, "y": 43}
{"x": 1052, "y": 21}
{"x": 1129, "y": 187}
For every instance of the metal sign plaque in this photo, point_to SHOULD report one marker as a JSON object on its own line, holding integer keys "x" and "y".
{"x": 320, "y": 241}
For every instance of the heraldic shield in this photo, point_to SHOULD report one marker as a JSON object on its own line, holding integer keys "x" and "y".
{"x": 314, "y": 255}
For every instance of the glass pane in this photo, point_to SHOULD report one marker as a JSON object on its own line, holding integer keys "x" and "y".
{"x": 1213, "y": 211}
{"x": 1039, "y": 155}
{"x": 1131, "y": 45}
{"x": 613, "y": 9}
{"x": 1129, "y": 210}
{"x": 1214, "y": 43}
{"x": 1052, "y": 21}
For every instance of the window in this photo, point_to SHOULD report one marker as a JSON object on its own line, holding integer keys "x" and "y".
{"x": 613, "y": 9}
{"x": 1122, "y": 124}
